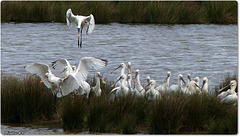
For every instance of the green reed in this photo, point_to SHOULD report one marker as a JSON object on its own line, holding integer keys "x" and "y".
{"x": 164, "y": 12}
{"x": 27, "y": 100}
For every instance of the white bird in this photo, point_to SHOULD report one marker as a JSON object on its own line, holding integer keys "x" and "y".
{"x": 223, "y": 94}
{"x": 123, "y": 67}
{"x": 152, "y": 93}
{"x": 81, "y": 22}
{"x": 97, "y": 89}
{"x": 139, "y": 90}
{"x": 178, "y": 87}
{"x": 205, "y": 85}
{"x": 196, "y": 79}
{"x": 85, "y": 64}
{"x": 148, "y": 80}
{"x": 192, "y": 88}
{"x": 232, "y": 98}
{"x": 121, "y": 90}
{"x": 60, "y": 87}
{"x": 129, "y": 81}
{"x": 129, "y": 72}
{"x": 164, "y": 87}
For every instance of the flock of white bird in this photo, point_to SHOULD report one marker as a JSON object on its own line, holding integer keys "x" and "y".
{"x": 123, "y": 86}
{"x": 75, "y": 77}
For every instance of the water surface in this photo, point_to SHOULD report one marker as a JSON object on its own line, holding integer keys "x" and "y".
{"x": 202, "y": 50}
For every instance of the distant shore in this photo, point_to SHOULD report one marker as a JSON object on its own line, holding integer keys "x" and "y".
{"x": 153, "y": 12}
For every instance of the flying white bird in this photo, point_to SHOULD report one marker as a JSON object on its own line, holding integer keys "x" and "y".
{"x": 80, "y": 74}
{"x": 81, "y": 22}
{"x": 60, "y": 87}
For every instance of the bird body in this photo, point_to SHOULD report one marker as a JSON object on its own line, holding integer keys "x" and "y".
{"x": 178, "y": 87}
{"x": 164, "y": 87}
{"x": 60, "y": 87}
{"x": 121, "y": 90}
{"x": 153, "y": 94}
{"x": 139, "y": 90}
{"x": 81, "y": 22}
{"x": 80, "y": 74}
{"x": 230, "y": 96}
{"x": 198, "y": 90}
{"x": 192, "y": 88}
{"x": 205, "y": 85}
{"x": 97, "y": 89}
{"x": 123, "y": 67}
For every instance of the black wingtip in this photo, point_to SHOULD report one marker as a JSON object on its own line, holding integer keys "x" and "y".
{"x": 106, "y": 62}
{"x": 53, "y": 64}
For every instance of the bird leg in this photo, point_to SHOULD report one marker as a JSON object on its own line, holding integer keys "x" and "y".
{"x": 186, "y": 85}
{"x": 79, "y": 35}
{"x": 81, "y": 40}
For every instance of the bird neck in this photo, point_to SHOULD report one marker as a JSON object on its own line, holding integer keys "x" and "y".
{"x": 232, "y": 91}
{"x": 179, "y": 83}
{"x": 123, "y": 70}
{"x": 98, "y": 82}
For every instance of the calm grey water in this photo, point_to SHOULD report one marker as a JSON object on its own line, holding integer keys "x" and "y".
{"x": 202, "y": 50}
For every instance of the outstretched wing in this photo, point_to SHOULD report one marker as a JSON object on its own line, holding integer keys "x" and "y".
{"x": 91, "y": 24}
{"x": 85, "y": 64}
{"x": 39, "y": 69}
{"x": 69, "y": 84}
{"x": 68, "y": 16}
{"x": 60, "y": 64}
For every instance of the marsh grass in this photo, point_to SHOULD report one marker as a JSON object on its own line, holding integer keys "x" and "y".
{"x": 164, "y": 12}
{"x": 27, "y": 100}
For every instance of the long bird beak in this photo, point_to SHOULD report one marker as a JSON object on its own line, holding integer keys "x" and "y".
{"x": 165, "y": 81}
{"x": 103, "y": 81}
{"x": 198, "y": 86}
{"x": 79, "y": 35}
{"x": 116, "y": 69}
{"x": 203, "y": 84}
{"x": 186, "y": 85}
{"x": 220, "y": 90}
{"x": 145, "y": 87}
{"x": 61, "y": 73}
{"x": 135, "y": 79}
{"x": 189, "y": 78}
{"x": 116, "y": 81}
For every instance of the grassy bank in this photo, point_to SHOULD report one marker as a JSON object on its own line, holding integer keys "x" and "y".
{"x": 123, "y": 12}
{"x": 28, "y": 101}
